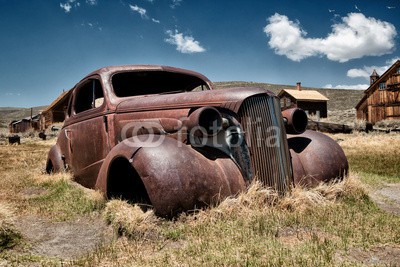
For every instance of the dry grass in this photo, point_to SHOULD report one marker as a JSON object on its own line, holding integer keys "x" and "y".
{"x": 9, "y": 236}
{"x": 373, "y": 154}
{"x": 306, "y": 199}
{"x": 256, "y": 228}
{"x": 347, "y": 116}
{"x": 130, "y": 220}
{"x": 27, "y": 187}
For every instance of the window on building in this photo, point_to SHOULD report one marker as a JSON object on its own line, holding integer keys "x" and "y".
{"x": 398, "y": 70}
{"x": 382, "y": 86}
{"x": 288, "y": 102}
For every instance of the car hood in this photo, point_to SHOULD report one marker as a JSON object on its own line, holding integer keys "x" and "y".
{"x": 230, "y": 98}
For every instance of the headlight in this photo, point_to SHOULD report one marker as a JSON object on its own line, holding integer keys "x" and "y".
{"x": 295, "y": 120}
{"x": 205, "y": 121}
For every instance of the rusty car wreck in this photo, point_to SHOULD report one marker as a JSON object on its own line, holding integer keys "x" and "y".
{"x": 162, "y": 136}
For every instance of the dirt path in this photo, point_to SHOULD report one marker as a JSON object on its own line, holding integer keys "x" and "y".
{"x": 388, "y": 198}
{"x": 64, "y": 240}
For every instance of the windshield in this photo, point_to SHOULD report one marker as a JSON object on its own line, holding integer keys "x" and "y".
{"x": 155, "y": 82}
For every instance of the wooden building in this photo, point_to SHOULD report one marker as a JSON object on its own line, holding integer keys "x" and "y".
{"x": 313, "y": 102}
{"x": 24, "y": 125}
{"x": 381, "y": 101}
{"x": 55, "y": 112}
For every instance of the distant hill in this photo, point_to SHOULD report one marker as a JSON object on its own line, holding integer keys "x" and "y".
{"x": 339, "y": 99}
{"x": 341, "y": 102}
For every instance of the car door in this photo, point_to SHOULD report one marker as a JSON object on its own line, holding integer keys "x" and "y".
{"x": 88, "y": 132}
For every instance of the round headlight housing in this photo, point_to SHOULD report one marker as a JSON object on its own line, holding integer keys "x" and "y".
{"x": 205, "y": 121}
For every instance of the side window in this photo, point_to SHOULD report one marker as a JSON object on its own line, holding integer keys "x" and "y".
{"x": 89, "y": 95}
{"x": 382, "y": 85}
{"x": 69, "y": 111}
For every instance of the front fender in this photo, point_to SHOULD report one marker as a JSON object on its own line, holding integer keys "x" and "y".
{"x": 176, "y": 176}
{"x": 54, "y": 161}
{"x": 316, "y": 158}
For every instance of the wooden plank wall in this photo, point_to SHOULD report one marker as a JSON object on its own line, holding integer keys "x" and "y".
{"x": 384, "y": 104}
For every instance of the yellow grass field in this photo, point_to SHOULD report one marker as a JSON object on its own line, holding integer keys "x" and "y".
{"x": 48, "y": 220}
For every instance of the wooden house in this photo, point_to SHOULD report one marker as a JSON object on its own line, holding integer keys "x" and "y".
{"x": 311, "y": 101}
{"x": 381, "y": 101}
{"x": 55, "y": 112}
{"x": 25, "y": 124}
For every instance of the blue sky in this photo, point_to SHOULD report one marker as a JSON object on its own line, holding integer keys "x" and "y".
{"x": 47, "y": 46}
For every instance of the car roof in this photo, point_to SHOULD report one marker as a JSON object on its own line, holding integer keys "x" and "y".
{"x": 124, "y": 68}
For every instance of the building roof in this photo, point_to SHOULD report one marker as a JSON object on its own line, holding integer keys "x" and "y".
{"x": 374, "y": 74}
{"x": 309, "y": 95}
{"x": 33, "y": 118}
{"x": 61, "y": 100}
{"x": 383, "y": 76}
{"x": 361, "y": 101}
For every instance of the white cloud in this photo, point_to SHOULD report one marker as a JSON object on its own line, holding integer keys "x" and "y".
{"x": 366, "y": 71}
{"x": 355, "y": 37}
{"x": 353, "y": 87}
{"x": 155, "y": 20}
{"x": 92, "y": 25}
{"x": 66, "y": 7}
{"x": 91, "y": 2}
{"x": 139, "y": 10}
{"x": 184, "y": 44}
{"x": 175, "y": 3}
{"x": 12, "y": 94}
{"x": 69, "y": 4}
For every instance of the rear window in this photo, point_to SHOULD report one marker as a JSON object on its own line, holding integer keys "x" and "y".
{"x": 155, "y": 82}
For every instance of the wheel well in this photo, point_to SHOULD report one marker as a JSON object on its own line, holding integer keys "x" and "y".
{"x": 49, "y": 166}
{"x": 124, "y": 182}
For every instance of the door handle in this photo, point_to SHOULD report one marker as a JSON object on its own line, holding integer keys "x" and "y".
{"x": 67, "y": 134}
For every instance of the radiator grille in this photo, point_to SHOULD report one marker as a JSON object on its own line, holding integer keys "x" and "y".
{"x": 262, "y": 122}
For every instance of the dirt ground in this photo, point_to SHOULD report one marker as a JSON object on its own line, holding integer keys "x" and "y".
{"x": 380, "y": 255}
{"x": 388, "y": 198}
{"x": 64, "y": 239}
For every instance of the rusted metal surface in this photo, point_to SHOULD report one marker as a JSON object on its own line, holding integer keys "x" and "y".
{"x": 316, "y": 158}
{"x": 161, "y": 136}
{"x": 295, "y": 120}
